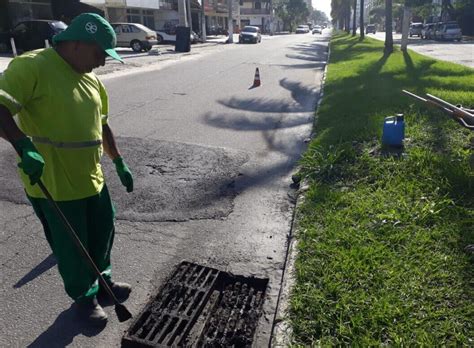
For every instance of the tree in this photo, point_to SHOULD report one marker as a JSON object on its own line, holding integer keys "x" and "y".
{"x": 377, "y": 15}
{"x": 388, "y": 27}
{"x": 292, "y": 12}
{"x": 362, "y": 19}
{"x": 464, "y": 14}
{"x": 341, "y": 13}
{"x": 407, "y": 16}
{"x": 319, "y": 17}
{"x": 354, "y": 23}
{"x": 298, "y": 12}
{"x": 447, "y": 10}
{"x": 405, "y": 27}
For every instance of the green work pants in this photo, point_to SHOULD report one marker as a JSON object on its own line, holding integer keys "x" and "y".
{"x": 93, "y": 221}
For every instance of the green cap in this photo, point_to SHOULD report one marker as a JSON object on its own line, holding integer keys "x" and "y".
{"x": 90, "y": 27}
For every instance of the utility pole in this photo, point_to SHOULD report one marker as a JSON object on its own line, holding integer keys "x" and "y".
{"x": 183, "y": 20}
{"x": 203, "y": 22}
{"x": 188, "y": 12}
{"x": 230, "y": 22}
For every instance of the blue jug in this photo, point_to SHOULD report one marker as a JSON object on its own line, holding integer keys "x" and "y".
{"x": 393, "y": 130}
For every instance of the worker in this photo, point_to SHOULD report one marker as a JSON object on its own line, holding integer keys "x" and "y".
{"x": 60, "y": 132}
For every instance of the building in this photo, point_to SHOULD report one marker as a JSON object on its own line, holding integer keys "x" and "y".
{"x": 155, "y": 14}
{"x": 14, "y": 11}
{"x": 257, "y": 13}
{"x": 145, "y": 12}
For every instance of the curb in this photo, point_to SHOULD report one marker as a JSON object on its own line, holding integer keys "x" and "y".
{"x": 282, "y": 331}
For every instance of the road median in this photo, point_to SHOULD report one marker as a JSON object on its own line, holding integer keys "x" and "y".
{"x": 382, "y": 233}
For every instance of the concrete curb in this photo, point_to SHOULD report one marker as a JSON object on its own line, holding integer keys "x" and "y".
{"x": 282, "y": 331}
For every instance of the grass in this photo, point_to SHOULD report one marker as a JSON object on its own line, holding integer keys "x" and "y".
{"x": 381, "y": 238}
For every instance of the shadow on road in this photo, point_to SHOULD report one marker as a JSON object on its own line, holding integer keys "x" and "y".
{"x": 280, "y": 115}
{"x": 62, "y": 332}
{"x": 42, "y": 267}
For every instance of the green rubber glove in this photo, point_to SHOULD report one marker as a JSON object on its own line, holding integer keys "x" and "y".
{"x": 32, "y": 162}
{"x": 124, "y": 173}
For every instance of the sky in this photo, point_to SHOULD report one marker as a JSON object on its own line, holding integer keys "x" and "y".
{"x": 323, "y": 5}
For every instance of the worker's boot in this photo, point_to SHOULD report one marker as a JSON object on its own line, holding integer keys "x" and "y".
{"x": 92, "y": 312}
{"x": 120, "y": 290}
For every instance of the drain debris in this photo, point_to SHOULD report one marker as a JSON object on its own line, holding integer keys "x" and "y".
{"x": 200, "y": 307}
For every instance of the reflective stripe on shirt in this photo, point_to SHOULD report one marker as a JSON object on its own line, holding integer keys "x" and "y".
{"x": 66, "y": 144}
{"x": 9, "y": 98}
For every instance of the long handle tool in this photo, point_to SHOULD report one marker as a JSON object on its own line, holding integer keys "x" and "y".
{"x": 458, "y": 114}
{"x": 123, "y": 314}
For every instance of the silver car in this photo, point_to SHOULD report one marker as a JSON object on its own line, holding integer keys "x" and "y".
{"x": 448, "y": 31}
{"x": 415, "y": 29}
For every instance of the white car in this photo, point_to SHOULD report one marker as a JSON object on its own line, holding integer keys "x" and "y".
{"x": 317, "y": 30}
{"x": 302, "y": 29}
{"x": 167, "y": 35}
{"x": 134, "y": 35}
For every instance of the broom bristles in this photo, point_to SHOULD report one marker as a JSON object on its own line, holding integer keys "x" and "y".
{"x": 123, "y": 314}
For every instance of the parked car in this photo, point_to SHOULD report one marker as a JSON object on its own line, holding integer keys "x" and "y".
{"x": 216, "y": 30}
{"x": 317, "y": 30}
{"x": 427, "y": 32}
{"x": 30, "y": 35}
{"x": 134, "y": 35}
{"x": 370, "y": 29}
{"x": 250, "y": 34}
{"x": 448, "y": 31}
{"x": 169, "y": 35}
{"x": 415, "y": 29}
{"x": 436, "y": 30}
{"x": 302, "y": 29}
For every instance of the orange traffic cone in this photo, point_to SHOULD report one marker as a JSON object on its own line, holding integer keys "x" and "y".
{"x": 256, "y": 80}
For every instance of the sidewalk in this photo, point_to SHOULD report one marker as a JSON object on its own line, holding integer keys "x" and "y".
{"x": 127, "y": 53}
{"x": 158, "y": 53}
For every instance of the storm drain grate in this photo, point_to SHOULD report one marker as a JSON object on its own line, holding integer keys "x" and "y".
{"x": 200, "y": 307}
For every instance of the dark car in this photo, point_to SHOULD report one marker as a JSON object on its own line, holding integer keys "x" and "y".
{"x": 30, "y": 35}
{"x": 216, "y": 30}
{"x": 370, "y": 29}
{"x": 427, "y": 32}
{"x": 250, "y": 34}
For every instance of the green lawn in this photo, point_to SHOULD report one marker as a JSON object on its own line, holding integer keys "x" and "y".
{"x": 381, "y": 237}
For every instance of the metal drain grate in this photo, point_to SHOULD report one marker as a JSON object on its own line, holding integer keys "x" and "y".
{"x": 235, "y": 315}
{"x": 200, "y": 306}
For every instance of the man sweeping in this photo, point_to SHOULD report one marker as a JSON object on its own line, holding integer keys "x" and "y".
{"x": 62, "y": 131}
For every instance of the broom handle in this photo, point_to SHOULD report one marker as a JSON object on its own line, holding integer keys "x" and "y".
{"x": 76, "y": 240}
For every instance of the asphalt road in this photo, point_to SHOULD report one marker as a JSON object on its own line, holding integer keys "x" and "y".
{"x": 451, "y": 51}
{"x": 212, "y": 160}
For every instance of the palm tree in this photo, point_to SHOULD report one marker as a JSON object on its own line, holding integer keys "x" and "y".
{"x": 388, "y": 27}
{"x": 354, "y": 26}
{"x": 361, "y": 19}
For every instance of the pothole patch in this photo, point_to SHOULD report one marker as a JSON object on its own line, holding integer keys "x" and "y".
{"x": 175, "y": 181}
{"x": 200, "y": 306}
{"x": 172, "y": 181}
